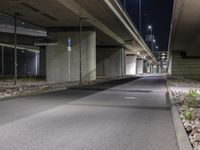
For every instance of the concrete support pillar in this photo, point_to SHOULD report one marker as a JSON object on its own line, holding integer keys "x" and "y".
{"x": 145, "y": 66}
{"x": 131, "y": 60}
{"x": 110, "y": 61}
{"x": 42, "y": 62}
{"x": 140, "y": 66}
{"x": 58, "y": 69}
{"x": 123, "y": 62}
{"x": 151, "y": 68}
{"x": 148, "y": 68}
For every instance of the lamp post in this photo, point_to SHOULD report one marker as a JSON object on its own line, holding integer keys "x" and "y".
{"x": 81, "y": 45}
{"x": 151, "y": 36}
{"x": 80, "y": 51}
{"x": 2, "y": 61}
{"x": 157, "y": 47}
{"x": 140, "y": 15}
{"x": 15, "y": 41}
{"x": 125, "y": 5}
{"x": 154, "y": 43}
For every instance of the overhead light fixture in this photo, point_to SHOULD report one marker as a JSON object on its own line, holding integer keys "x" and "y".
{"x": 149, "y": 27}
{"x": 138, "y": 53}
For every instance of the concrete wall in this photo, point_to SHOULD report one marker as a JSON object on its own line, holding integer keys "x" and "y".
{"x": 189, "y": 68}
{"x": 58, "y": 62}
{"x": 110, "y": 62}
{"x": 131, "y": 64}
{"x": 140, "y": 66}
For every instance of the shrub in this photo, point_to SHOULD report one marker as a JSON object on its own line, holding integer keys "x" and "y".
{"x": 187, "y": 114}
{"x": 191, "y": 99}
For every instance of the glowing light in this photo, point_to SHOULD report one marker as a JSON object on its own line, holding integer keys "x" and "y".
{"x": 149, "y": 27}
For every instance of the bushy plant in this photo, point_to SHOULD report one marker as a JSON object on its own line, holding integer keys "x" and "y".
{"x": 187, "y": 114}
{"x": 191, "y": 99}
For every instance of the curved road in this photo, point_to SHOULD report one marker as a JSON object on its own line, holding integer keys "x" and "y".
{"x": 128, "y": 114}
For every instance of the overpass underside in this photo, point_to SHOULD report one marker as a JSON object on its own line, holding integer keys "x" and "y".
{"x": 184, "y": 47}
{"x": 85, "y": 39}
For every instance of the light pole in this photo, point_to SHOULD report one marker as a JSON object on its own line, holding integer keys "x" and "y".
{"x": 140, "y": 15}
{"x": 125, "y": 5}
{"x": 151, "y": 36}
{"x": 15, "y": 41}
{"x": 2, "y": 61}
{"x": 154, "y": 43}
{"x": 81, "y": 45}
{"x": 157, "y": 47}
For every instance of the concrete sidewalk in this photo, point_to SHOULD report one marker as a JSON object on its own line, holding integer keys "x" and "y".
{"x": 130, "y": 116}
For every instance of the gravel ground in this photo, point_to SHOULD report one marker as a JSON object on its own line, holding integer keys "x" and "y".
{"x": 23, "y": 87}
{"x": 180, "y": 87}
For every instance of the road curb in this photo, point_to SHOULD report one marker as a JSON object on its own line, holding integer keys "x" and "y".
{"x": 181, "y": 135}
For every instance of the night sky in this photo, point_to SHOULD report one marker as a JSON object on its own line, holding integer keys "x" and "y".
{"x": 155, "y": 12}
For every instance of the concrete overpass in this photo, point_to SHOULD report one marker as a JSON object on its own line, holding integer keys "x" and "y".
{"x": 105, "y": 42}
{"x": 184, "y": 47}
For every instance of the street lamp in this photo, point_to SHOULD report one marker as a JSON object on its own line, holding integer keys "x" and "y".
{"x": 151, "y": 36}
{"x": 140, "y": 15}
{"x": 125, "y": 5}
{"x": 149, "y": 27}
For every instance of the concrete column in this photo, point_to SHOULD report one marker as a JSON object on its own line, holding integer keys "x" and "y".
{"x": 124, "y": 61}
{"x": 58, "y": 57}
{"x": 140, "y": 66}
{"x": 110, "y": 62}
{"x": 42, "y": 62}
{"x": 148, "y": 67}
{"x": 145, "y": 66}
{"x": 151, "y": 68}
{"x": 131, "y": 60}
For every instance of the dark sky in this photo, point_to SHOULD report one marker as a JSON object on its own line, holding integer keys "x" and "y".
{"x": 154, "y": 12}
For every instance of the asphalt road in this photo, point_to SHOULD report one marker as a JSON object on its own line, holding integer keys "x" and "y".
{"x": 126, "y": 114}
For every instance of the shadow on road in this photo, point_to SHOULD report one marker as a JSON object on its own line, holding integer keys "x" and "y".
{"x": 29, "y": 105}
{"x": 105, "y": 85}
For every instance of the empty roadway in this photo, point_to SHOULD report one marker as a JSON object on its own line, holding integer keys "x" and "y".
{"x": 127, "y": 114}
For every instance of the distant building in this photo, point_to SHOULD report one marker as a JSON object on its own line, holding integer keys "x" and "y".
{"x": 162, "y": 57}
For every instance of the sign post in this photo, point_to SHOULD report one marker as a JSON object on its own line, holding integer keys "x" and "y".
{"x": 69, "y": 48}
